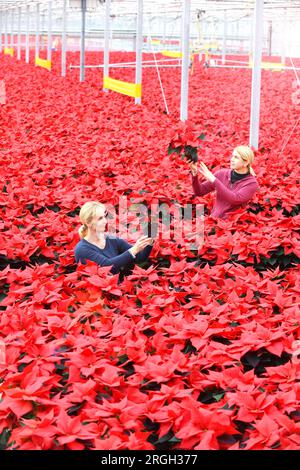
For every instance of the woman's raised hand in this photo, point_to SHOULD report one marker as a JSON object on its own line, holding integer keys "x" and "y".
{"x": 140, "y": 244}
{"x": 206, "y": 172}
{"x": 193, "y": 167}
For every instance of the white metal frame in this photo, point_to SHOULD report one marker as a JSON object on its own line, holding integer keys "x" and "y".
{"x": 185, "y": 49}
{"x": 256, "y": 74}
{"x": 10, "y": 9}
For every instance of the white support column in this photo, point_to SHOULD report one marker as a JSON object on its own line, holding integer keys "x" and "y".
{"x": 164, "y": 29}
{"x": 49, "y": 41}
{"x": 37, "y": 33}
{"x": 270, "y": 33}
{"x": 5, "y": 29}
{"x": 1, "y": 31}
{"x": 64, "y": 39}
{"x": 27, "y": 34}
{"x": 43, "y": 29}
{"x": 139, "y": 47}
{"x": 106, "y": 41}
{"x": 12, "y": 28}
{"x": 237, "y": 31}
{"x": 185, "y": 48}
{"x": 256, "y": 73}
{"x": 224, "y": 37}
{"x": 82, "y": 40}
{"x": 134, "y": 36}
{"x": 251, "y": 37}
{"x": 150, "y": 46}
{"x": 19, "y": 33}
{"x": 283, "y": 38}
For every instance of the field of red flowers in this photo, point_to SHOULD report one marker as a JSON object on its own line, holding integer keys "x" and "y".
{"x": 194, "y": 350}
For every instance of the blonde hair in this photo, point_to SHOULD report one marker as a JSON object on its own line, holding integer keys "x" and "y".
{"x": 86, "y": 215}
{"x": 247, "y": 155}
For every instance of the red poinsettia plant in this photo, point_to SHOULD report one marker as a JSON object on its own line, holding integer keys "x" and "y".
{"x": 191, "y": 351}
{"x": 185, "y": 142}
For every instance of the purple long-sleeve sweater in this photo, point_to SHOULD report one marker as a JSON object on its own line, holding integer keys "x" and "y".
{"x": 229, "y": 196}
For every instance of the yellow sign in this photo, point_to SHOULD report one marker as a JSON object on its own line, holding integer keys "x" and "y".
{"x": 277, "y": 66}
{"x": 129, "y": 89}
{"x": 9, "y": 51}
{"x": 43, "y": 63}
{"x": 172, "y": 53}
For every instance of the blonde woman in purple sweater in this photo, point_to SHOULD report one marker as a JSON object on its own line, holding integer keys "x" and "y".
{"x": 234, "y": 187}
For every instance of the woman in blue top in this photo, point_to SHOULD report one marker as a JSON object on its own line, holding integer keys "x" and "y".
{"x": 104, "y": 249}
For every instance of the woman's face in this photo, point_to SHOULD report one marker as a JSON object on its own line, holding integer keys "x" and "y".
{"x": 99, "y": 222}
{"x": 236, "y": 162}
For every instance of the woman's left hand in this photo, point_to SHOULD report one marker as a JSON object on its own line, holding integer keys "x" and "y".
{"x": 206, "y": 172}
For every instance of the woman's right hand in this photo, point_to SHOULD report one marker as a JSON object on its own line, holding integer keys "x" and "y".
{"x": 140, "y": 244}
{"x": 193, "y": 167}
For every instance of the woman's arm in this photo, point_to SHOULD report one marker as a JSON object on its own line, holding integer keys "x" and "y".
{"x": 200, "y": 189}
{"x": 238, "y": 196}
{"x": 144, "y": 254}
{"x": 117, "y": 261}
{"x": 123, "y": 245}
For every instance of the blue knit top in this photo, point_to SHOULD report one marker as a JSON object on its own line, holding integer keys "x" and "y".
{"x": 115, "y": 253}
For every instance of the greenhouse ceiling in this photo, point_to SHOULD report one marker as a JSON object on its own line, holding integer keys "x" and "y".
{"x": 273, "y": 9}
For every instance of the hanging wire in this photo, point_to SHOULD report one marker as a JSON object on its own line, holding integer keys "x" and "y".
{"x": 297, "y": 120}
{"x": 157, "y": 69}
{"x": 288, "y": 139}
{"x": 295, "y": 71}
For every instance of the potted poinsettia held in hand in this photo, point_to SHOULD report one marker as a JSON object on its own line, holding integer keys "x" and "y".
{"x": 185, "y": 143}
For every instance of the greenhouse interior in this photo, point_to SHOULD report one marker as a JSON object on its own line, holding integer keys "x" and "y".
{"x": 149, "y": 243}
